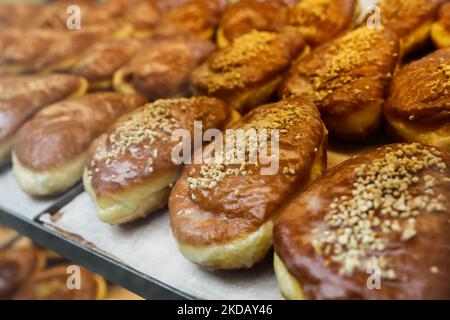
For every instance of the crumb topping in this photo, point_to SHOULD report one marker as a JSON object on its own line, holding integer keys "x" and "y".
{"x": 381, "y": 206}
{"x": 251, "y": 46}
{"x": 305, "y": 14}
{"x": 282, "y": 119}
{"x": 154, "y": 123}
{"x": 346, "y": 55}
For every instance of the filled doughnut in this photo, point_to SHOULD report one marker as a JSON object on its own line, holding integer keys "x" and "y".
{"x": 440, "y": 31}
{"x": 248, "y": 72}
{"x": 50, "y": 150}
{"x": 410, "y": 20}
{"x": 100, "y": 62}
{"x": 55, "y": 284}
{"x": 162, "y": 68}
{"x": 418, "y": 108}
{"x": 320, "y": 21}
{"x": 374, "y": 227}
{"x": 248, "y": 15}
{"x": 222, "y": 210}
{"x": 22, "y": 96}
{"x": 348, "y": 80}
{"x": 130, "y": 169}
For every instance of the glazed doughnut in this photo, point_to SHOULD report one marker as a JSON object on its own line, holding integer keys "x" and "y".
{"x": 162, "y": 68}
{"x": 50, "y": 150}
{"x": 222, "y": 212}
{"x": 418, "y": 108}
{"x": 199, "y": 17}
{"x": 247, "y": 73}
{"x": 385, "y": 215}
{"x": 247, "y": 15}
{"x": 130, "y": 170}
{"x": 17, "y": 265}
{"x": 22, "y": 96}
{"x": 348, "y": 80}
{"x": 51, "y": 284}
{"x": 100, "y": 62}
{"x": 320, "y": 21}
{"x": 411, "y": 20}
{"x": 440, "y": 31}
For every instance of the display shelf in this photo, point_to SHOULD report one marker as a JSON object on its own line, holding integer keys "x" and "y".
{"x": 113, "y": 270}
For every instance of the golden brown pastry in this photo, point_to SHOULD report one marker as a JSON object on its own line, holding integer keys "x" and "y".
{"x": 23, "y": 15}
{"x": 320, "y": 21}
{"x": 17, "y": 265}
{"x": 440, "y": 31}
{"x": 375, "y": 227}
{"x": 222, "y": 212}
{"x": 248, "y": 15}
{"x": 348, "y": 80}
{"x": 130, "y": 169}
{"x": 22, "y": 96}
{"x": 50, "y": 150}
{"x": 100, "y": 62}
{"x": 52, "y": 284}
{"x": 162, "y": 68}
{"x": 199, "y": 17}
{"x": 247, "y": 73}
{"x": 418, "y": 108}
{"x": 411, "y": 20}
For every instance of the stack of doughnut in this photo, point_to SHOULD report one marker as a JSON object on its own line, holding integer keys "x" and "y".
{"x": 109, "y": 103}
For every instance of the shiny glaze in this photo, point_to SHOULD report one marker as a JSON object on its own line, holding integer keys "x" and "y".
{"x": 412, "y": 260}
{"x": 103, "y": 59}
{"x": 64, "y": 130}
{"x": 416, "y": 93}
{"x": 162, "y": 68}
{"x": 221, "y": 215}
{"x": 22, "y": 96}
{"x": 444, "y": 16}
{"x": 127, "y": 171}
{"x": 357, "y": 84}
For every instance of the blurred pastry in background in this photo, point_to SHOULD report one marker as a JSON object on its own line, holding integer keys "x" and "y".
{"x": 63, "y": 282}
{"x": 130, "y": 169}
{"x": 418, "y": 108}
{"x": 320, "y": 21}
{"x": 6, "y": 236}
{"x": 440, "y": 32}
{"x": 16, "y": 266}
{"x": 22, "y": 96}
{"x": 248, "y": 72}
{"x": 162, "y": 68}
{"x": 49, "y": 151}
{"x": 348, "y": 80}
{"x": 410, "y": 20}
{"x": 222, "y": 212}
{"x": 374, "y": 227}
{"x": 101, "y": 61}
{"x": 248, "y": 15}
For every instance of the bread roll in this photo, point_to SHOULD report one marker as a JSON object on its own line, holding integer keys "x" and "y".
{"x": 418, "y": 108}
{"x": 52, "y": 284}
{"x": 375, "y": 227}
{"x": 162, "y": 68}
{"x": 411, "y": 20}
{"x": 247, "y": 73}
{"x": 348, "y": 80}
{"x": 100, "y": 62}
{"x": 49, "y": 151}
{"x": 130, "y": 169}
{"x": 320, "y": 21}
{"x": 247, "y": 15}
{"x": 22, "y": 96}
{"x": 440, "y": 31}
{"x": 222, "y": 212}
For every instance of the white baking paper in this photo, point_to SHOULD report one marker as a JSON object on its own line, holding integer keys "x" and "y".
{"x": 13, "y": 199}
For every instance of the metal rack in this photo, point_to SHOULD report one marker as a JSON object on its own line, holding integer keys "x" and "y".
{"x": 98, "y": 262}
